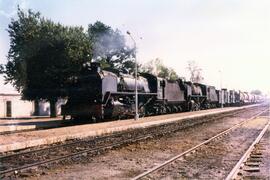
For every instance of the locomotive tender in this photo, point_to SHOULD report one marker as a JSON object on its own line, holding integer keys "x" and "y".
{"x": 99, "y": 94}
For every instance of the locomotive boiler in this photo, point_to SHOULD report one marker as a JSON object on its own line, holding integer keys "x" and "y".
{"x": 102, "y": 94}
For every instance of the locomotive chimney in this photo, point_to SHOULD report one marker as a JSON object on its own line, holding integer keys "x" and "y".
{"x": 95, "y": 66}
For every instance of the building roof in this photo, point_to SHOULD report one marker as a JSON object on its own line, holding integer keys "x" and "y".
{"x": 6, "y": 94}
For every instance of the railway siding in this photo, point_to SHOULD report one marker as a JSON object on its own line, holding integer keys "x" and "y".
{"x": 44, "y": 137}
{"x": 11, "y": 142}
{"x": 255, "y": 163}
{"x": 23, "y": 124}
{"x": 125, "y": 161}
{"x": 214, "y": 160}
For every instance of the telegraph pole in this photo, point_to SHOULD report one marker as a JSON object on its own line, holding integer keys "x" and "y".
{"x": 136, "y": 117}
{"x": 221, "y": 88}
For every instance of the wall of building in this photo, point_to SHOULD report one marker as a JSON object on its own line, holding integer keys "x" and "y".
{"x": 19, "y": 108}
{"x": 44, "y": 107}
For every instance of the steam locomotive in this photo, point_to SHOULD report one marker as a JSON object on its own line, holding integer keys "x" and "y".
{"x": 102, "y": 95}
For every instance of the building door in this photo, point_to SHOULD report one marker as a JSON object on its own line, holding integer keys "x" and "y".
{"x": 8, "y": 109}
{"x": 36, "y": 108}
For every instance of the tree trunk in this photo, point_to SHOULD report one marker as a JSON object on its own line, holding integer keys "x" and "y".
{"x": 52, "y": 107}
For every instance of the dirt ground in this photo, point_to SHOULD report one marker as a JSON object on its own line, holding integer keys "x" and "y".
{"x": 129, "y": 161}
{"x": 216, "y": 159}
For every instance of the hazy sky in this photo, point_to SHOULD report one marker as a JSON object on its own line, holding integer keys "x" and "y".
{"x": 228, "y": 35}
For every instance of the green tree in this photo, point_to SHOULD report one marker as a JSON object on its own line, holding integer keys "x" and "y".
{"x": 110, "y": 49}
{"x": 43, "y": 56}
{"x": 156, "y": 67}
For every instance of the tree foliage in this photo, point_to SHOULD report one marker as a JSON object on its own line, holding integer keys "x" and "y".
{"x": 110, "y": 48}
{"x": 43, "y": 55}
{"x": 156, "y": 67}
{"x": 195, "y": 72}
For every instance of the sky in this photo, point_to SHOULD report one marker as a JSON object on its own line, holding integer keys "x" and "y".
{"x": 229, "y": 39}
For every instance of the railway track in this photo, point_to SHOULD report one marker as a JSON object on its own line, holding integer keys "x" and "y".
{"x": 250, "y": 161}
{"x": 80, "y": 146}
{"x": 13, "y": 164}
{"x": 23, "y": 131}
{"x": 66, "y": 123}
{"x": 158, "y": 167}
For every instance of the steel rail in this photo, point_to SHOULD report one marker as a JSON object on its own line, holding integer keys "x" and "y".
{"x": 160, "y": 166}
{"x": 87, "y": 150}
{"x": 76, "y": 154}
{"x": 63, "y": 124}
{"x": 239, "y": 164}
{"x": 88, "y": 141}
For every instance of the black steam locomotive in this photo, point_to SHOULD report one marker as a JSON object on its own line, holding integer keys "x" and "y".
{"x": 99, "y": 94}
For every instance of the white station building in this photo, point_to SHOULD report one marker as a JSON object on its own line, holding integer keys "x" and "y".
{"x": 12, "y": 106}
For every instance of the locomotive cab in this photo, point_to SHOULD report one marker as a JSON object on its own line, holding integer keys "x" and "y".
{"x": 86, "y": 93}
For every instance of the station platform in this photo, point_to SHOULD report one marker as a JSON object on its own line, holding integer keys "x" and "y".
{"x": 32, "y": 123}
{"x": 16, "y": 141}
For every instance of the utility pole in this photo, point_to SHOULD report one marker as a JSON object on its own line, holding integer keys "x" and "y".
{"x": 136, "y": 117}
{"x": 221, "y": 88}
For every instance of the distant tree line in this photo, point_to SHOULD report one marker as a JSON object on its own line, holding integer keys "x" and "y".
{"x": 256, "y": 92}
{"x": 195, "y": 72}
{"x": 156, "y": 67}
